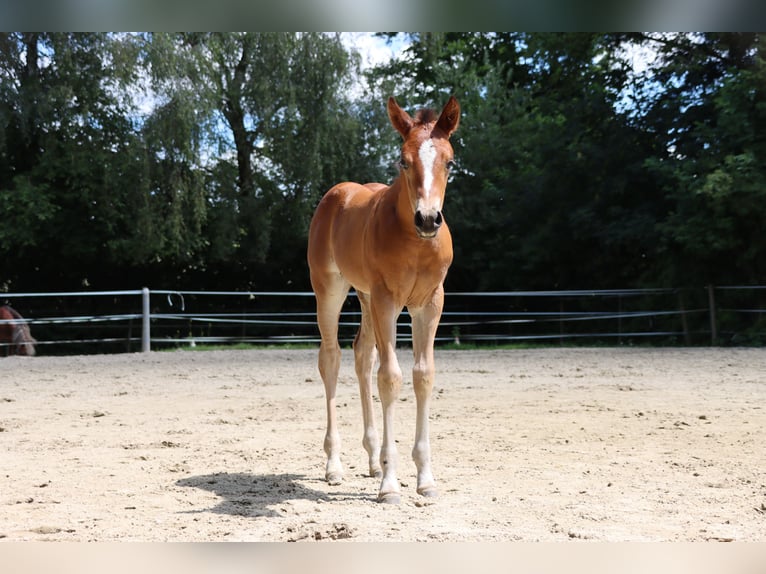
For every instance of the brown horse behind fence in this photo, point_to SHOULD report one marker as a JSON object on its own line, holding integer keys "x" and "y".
{"x": 15, "y": 338}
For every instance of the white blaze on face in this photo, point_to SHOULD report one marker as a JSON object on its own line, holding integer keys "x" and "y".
{"x": 427, "y": 154}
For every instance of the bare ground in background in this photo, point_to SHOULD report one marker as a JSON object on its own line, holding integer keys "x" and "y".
{"x": 547, "y": 444}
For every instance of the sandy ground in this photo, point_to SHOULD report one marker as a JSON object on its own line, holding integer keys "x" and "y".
{"x": 533, "y": 445}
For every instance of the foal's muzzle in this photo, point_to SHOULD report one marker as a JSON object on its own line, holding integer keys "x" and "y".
{"x": 427, "y": 224}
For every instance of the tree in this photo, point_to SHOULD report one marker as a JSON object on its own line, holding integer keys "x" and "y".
{"x": 163, "y": 156}
{"x": 551, "y": 190}
{"x": 66, "y": 153}
{"x": 711, "y": 120}
{"x": 283, "y": 130}
{"x": 197, "y": 159}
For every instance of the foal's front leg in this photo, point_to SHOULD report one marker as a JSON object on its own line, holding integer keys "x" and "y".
{"x": 425, "y": 320}
{"x": 384, "y": 313}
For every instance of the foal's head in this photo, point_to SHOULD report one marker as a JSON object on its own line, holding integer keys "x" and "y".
{"x": 426, "y": 159}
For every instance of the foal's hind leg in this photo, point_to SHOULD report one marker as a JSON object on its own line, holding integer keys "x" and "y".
{"x": 365, "y": 356}
{"x": 330, "y": 294}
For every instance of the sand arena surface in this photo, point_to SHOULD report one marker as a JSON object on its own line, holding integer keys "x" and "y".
{"x": 544, "y": 444}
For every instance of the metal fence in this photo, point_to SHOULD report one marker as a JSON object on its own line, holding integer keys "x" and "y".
{"x": 143, "y": 319}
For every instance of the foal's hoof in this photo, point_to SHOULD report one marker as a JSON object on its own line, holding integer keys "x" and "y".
{"x": 334, "y": 478}
{"x": 428, "y": 492}
{"x": 376, "y": 473}
{"x": 389, "y": 498}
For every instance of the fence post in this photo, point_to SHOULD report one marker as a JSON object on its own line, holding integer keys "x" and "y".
{"x": 684, "y": 321}
{"x": 619, "y": 319}
{"x": 145, "y": 329}
{"x": 713, "y": 326}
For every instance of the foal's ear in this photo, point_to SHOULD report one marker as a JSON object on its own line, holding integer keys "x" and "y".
{"x": 400, "y": 119}
{"x": 450, "y": 116}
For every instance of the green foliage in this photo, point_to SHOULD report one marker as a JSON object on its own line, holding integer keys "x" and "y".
{"x": 28, "y": 207}
{"x": 714, "y": 170}
{"x": 196, "y": 159}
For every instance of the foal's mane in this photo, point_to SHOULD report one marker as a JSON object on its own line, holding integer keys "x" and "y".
{"x": 425, "y": 116}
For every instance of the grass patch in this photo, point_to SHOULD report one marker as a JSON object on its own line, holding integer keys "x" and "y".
{"x": 440, "y": 346}
{"x": 237, "y": 347}
{"x": 490, "y": 346}
{"x": 445, "y": 346}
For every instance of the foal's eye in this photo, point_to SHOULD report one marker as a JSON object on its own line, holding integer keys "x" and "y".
{"x": 403, "y": 164}
{"x": 450, "y": 164}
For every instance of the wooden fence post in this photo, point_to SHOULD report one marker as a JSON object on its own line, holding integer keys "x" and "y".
{"x": 684, "y": 321}
{"x": 145, "y": 325}
{"x": 713, "y": 326}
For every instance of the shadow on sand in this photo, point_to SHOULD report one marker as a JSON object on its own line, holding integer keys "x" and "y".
{"x": 255, "y": 495}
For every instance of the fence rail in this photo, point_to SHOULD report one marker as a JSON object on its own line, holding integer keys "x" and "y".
{"x": 143, "y": 319}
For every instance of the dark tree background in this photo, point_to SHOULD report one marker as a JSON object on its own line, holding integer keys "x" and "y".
{"x": 194, "y": 161}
